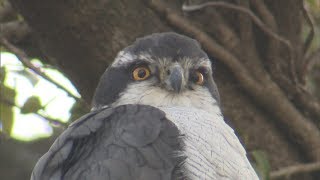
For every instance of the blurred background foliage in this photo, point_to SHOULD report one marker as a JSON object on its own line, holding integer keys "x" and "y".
{"x": 31, "y": 107}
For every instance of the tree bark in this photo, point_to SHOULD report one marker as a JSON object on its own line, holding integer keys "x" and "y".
{"x": 255, "y": 71}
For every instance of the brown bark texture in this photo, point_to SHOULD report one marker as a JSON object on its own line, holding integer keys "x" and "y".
{"x": 256, "y": 47}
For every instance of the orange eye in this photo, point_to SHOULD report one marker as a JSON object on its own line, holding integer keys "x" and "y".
{"x": 199, "y": 78}
{"x": 140, "y": 73}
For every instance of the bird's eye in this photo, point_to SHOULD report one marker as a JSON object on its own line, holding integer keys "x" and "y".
{"x": 140, "y": 73}
{"x": 198, "y": 78}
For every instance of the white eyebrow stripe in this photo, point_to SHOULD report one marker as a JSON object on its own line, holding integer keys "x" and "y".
{"x": 124, "y": 58}
{"x": 205, "y": 62}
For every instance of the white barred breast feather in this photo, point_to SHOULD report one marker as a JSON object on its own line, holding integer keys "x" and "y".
{"x": 212, "y": 149}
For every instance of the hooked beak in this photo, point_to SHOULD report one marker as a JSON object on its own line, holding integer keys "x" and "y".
{"x": 175, "y": 78}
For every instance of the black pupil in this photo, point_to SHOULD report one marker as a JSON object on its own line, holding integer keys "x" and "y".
{"x": 195, "y": 77}
{"x": 142, "y": 73}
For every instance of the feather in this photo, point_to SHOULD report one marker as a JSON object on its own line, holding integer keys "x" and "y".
{"x": 126, "y": 142}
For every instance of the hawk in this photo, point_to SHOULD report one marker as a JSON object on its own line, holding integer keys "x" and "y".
{"x": 156, "y": 116}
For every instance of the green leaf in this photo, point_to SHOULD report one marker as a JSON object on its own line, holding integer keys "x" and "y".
{"x": 262, "y": 165}
{"x": 32, "y": 105}
{"x": 6, "y": 108}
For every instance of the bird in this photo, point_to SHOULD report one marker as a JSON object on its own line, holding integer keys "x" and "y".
{"x": 155, "y": 116}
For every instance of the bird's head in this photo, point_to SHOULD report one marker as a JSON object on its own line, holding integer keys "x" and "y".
{"x": 164, "y": 69}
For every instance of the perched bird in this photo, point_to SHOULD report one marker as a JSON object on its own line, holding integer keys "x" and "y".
{"x": 156, "y": 115}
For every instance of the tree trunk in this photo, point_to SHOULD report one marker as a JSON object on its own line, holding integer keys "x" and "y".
{"x": 255, "y": 45}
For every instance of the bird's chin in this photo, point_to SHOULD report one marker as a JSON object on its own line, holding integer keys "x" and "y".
{"x": 162, "y": 97}
{"x": 174, "y": 92}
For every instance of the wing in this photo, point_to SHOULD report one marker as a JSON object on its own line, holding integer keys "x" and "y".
{"x": 128, "y": 142}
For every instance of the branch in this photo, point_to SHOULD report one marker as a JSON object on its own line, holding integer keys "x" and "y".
{"x": 246, "y": 11}
{"x": 256, "y": 20}
{"x": 26, "y": 62}
{"x": 14, "y": 30}
{"x": 265, "y": 14}
{"x": 248, "y": 47}
{"x": 295, "y": 169}
{"x": 224, "y": 33}
{"x": 303, "y": 98}
{"x": 228, "y": 38}
{"x": 52, "y": 121}
{"x": 311, "y": 60}
{"x": 308, "y": 103}
{"x": 273, "y": 64}
{"x": 265, "y": 92}
{"x": 310, "y": 36}
{"x": 245, "y": 27}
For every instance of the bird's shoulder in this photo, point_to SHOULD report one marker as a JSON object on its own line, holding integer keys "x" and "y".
{"x": 125, "y": 142}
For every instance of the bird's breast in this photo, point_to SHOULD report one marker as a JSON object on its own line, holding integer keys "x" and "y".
{"x": 212, "y": 149}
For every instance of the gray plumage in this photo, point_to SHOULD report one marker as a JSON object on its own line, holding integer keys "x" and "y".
{"x": 127, "y": 142}
{"x": 156, "y": 115}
